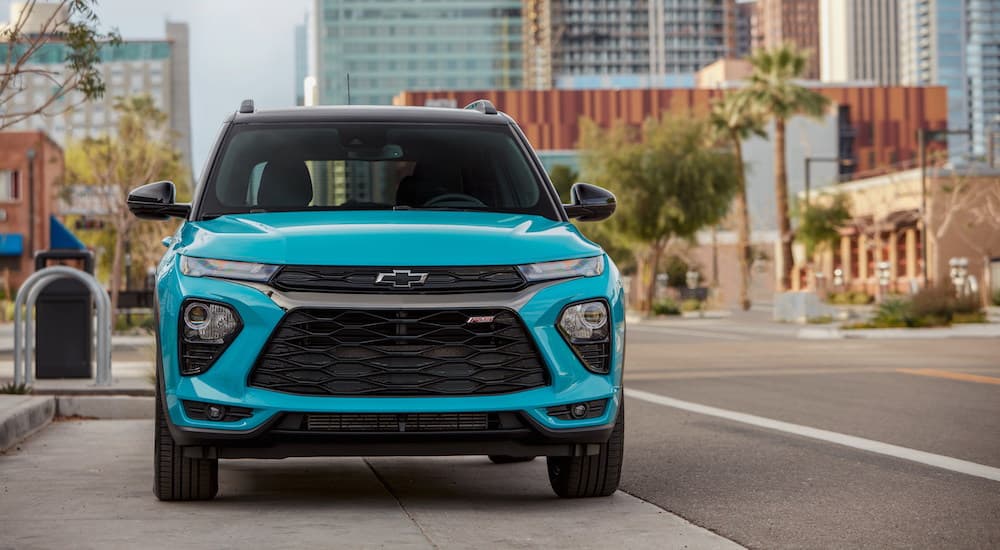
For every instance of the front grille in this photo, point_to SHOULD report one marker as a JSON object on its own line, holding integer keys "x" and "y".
{"x": 438, "y": 280}
{"x": 399, "y": 352}
{"x": 411, "y": 422}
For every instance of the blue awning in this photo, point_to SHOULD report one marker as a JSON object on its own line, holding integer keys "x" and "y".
{"x": 62, "y": 238}
{"x": 11, "y": 244}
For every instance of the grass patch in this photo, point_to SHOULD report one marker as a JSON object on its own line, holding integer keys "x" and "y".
{"x": 15, "y": 389}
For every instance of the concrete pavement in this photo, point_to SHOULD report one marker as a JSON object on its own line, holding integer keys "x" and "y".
{"x": 87, "y": 484}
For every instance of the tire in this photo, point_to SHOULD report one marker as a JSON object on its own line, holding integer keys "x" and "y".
{"x": 506, "y": 459}
{"x": 592, "y": 475}
{"x": 175, "y": 476}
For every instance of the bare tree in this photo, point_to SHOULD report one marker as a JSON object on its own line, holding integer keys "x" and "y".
{"x": 968, "y": 207}
{"x": 70, "y": 80}
{"x": 142, "y": 151}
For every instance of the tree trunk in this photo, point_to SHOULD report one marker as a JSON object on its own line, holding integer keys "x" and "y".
{"x": 654, "y": 263}
{"x": 781, "y": 196}
{"x": 635, "y": 288}
{"x": 117, "y": 270}
{"x": 743, "y": 230}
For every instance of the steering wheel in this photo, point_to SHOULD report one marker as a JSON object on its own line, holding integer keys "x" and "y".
{"x": 455, "y": 199}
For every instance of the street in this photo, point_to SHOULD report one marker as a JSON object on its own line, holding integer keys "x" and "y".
{"x": 800, "y": 482}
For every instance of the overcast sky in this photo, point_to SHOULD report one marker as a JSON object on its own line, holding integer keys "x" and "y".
{"x": 239, "y": 49}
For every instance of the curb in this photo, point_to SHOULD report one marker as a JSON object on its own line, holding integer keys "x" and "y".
{"x": 24, "y": 419}
{"x": 109, "y": 407}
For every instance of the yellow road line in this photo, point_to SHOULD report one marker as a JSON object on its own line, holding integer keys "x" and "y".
{"x": 952, "y": 375}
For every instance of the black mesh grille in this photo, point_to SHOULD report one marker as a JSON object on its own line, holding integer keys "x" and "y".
{"x": 413, "y": 280}
{"x": 399, "y": 352}
{"x": 411, "y": 422}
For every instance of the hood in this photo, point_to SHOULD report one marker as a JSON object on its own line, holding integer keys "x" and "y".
{"x": 384, "y": 238}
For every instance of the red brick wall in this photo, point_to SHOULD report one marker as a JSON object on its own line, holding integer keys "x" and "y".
{"x": 885, "y": 119}
{"x": 48, "y": 169}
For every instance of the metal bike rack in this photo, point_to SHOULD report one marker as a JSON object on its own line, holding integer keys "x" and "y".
{"x": 24, "y": 343}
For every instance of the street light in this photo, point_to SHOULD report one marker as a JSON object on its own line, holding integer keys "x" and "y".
{"x": 808, "y": 164}
{"x": 922, "y": 137}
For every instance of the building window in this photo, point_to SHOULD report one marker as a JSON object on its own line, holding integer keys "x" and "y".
{"x": 10, "y": 186}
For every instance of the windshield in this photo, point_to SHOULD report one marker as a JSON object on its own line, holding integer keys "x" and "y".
{"x": 369, "y": 166}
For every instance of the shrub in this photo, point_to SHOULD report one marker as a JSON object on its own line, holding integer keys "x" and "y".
{"x": 690, "y": 305}
{"x": 934, "y": 301}
{"x": 893, "y": 312}
{"x": 860, "y": 298}
{"x": 996, "y": 298}
{"x": 665, "y": 306}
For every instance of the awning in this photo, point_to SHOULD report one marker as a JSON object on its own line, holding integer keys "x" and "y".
{"x": 11, "y": 244}
{"x": 62, "y": 238}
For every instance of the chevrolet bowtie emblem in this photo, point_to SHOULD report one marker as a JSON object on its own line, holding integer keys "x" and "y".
{"x": 401, "y": 278}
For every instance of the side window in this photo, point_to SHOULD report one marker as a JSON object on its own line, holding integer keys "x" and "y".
{"x": 10, "y": 189}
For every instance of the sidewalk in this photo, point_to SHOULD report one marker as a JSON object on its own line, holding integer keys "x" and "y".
{"x": 972, "y": 330}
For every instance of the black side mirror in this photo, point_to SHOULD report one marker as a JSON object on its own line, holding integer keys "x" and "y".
{"x": 590, "y": 203}
{"x": 155, "y": 201}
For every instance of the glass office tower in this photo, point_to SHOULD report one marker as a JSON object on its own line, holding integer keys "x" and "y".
{"x": 388, "y": 46}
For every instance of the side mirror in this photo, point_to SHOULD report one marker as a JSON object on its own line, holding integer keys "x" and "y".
{"x": 155, "y": 201}
{"x": 590, "y": 203}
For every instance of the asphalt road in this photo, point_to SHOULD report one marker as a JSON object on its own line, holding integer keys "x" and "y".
{"x": 766, "y": 488}
{"x": 723, "y": 419}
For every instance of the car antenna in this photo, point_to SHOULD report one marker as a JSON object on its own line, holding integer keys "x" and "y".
{"x": 348, "y": 88}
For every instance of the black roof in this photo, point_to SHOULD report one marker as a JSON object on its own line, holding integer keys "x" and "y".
{"x": 370, "y": 113}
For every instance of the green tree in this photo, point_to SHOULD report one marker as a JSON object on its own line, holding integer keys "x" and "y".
{"x": 563, "y": 177}
{"x": 819, "y": 224}
{"x": 735, "y": 117}
{"x": 141, "y": 151}
{"x": 774, "y": 90}
{"x": 71, "y": 24}
{"x": 670, "y": 181}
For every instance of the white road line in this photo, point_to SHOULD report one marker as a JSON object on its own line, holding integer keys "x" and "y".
{"x": 913, "y": 455}
{"x": 689, "y": 332}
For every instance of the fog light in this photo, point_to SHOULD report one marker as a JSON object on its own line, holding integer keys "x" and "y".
{"x": 579, "y": 410}
{"x": 586, "y": 328}
{"x": 209, "y": 322}
{"x": 215, "y": 412}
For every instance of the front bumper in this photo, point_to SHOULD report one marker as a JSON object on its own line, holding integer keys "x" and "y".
{"x": 261, "y": 309}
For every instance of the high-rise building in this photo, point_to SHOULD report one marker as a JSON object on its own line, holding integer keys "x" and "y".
{"x": 790, "y": 21}
{"x": 743, "y": 28}
{"x": 301, "y": 61}
{"x": 932, "y": 50}
{"x": 157, "y": 68}
{"x": 859, "y": 41}
{"x": 386, "y": 46}
{"x": 983, "y": 70}
{"x": 593, "y": 39}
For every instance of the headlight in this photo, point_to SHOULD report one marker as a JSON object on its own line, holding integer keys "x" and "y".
{"x": 586, "y": 327}
{"x": 563, "y": 269}
{"x": 226, "y": 269}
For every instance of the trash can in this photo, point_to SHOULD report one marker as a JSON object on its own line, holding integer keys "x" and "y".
{"x": 64, "y": 326}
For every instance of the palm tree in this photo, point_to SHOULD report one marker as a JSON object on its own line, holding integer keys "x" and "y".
{"x": 735, "y": 117}
{"x": 774, "y": 90}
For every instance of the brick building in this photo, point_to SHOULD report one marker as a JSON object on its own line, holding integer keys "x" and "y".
{"x": 31, "y": 164}
{"x": 877, "y": 125}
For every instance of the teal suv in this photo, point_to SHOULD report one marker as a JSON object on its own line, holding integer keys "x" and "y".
{"x": 364, "y": 281}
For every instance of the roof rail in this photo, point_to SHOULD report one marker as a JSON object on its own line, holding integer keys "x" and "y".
{"x": 247, "y": 106}
{"x": 483, "y": 106}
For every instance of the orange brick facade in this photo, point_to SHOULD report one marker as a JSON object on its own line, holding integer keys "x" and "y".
{"x": 884, "y": 120}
